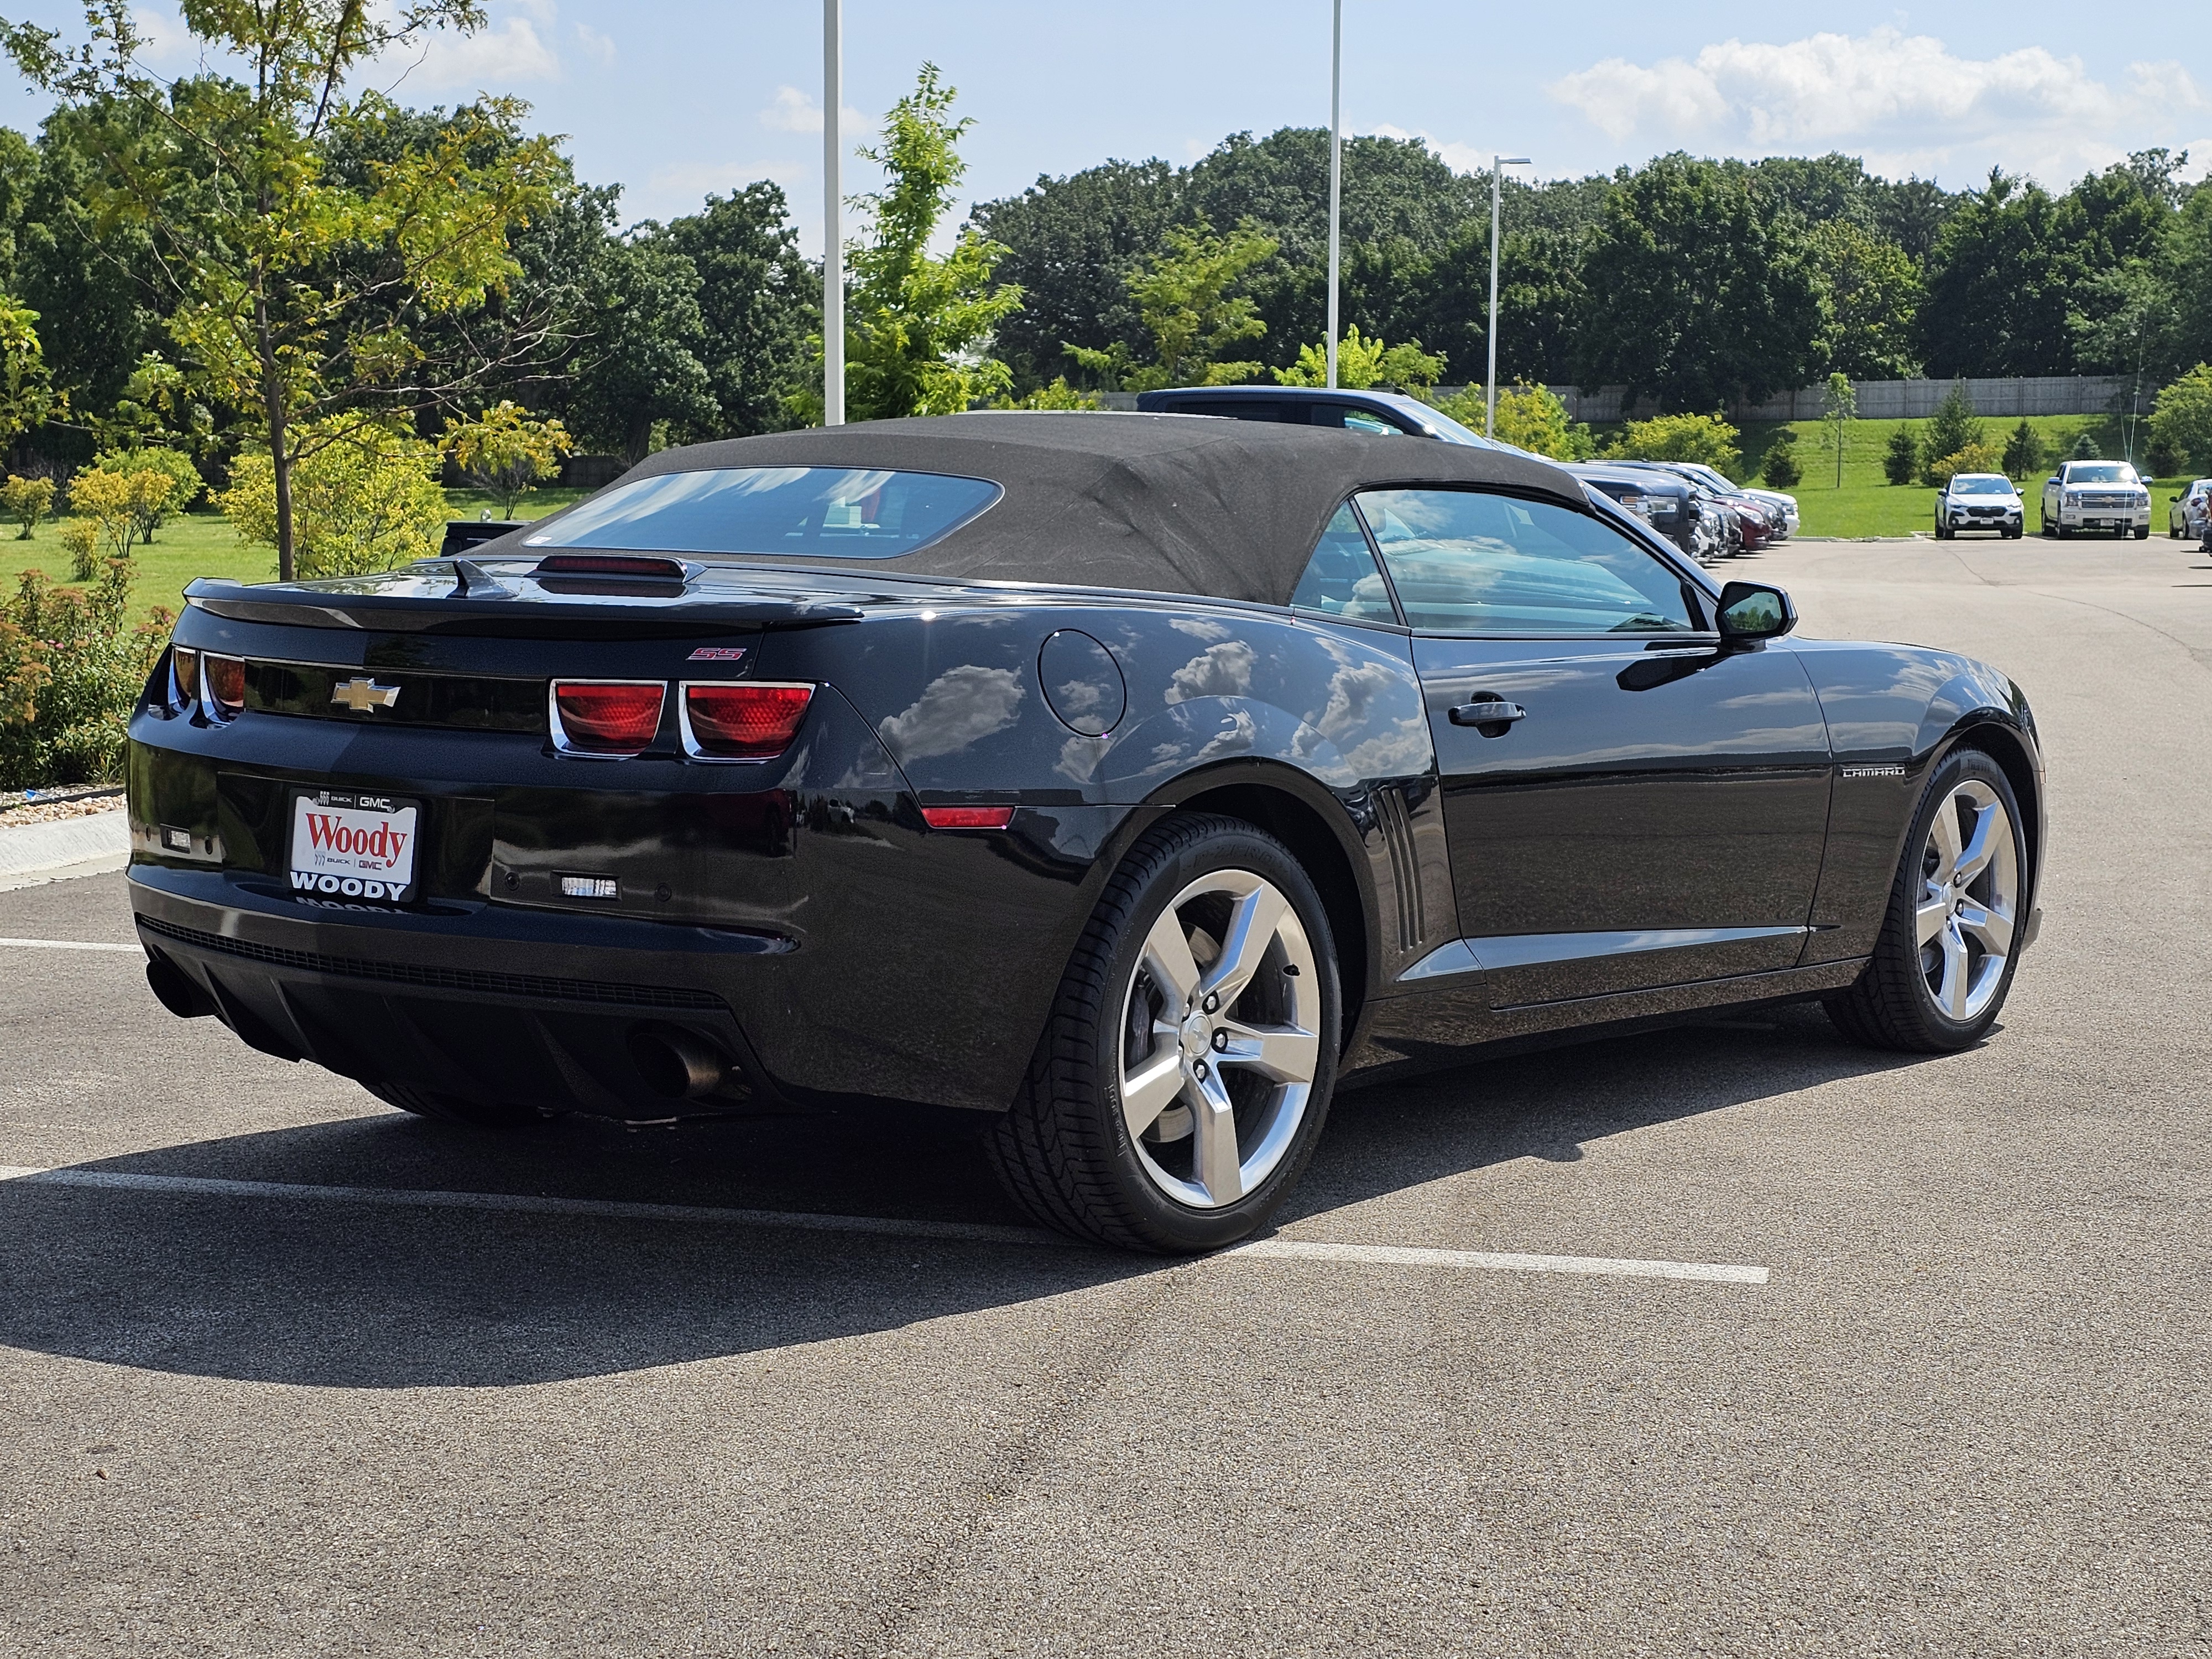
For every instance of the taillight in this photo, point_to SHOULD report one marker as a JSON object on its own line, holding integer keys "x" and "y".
{"x": 223, "y": 682}
{"x": 741, "y": 721}
{"x": 611, "y": 719}
{"x": 184, "y": 675}
{"x": 966, "y": 817}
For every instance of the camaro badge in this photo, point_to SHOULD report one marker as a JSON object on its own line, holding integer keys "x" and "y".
{"x": 719, "y": 654}
{"x": 1873, "y": 771}
{"x": 361, "y": 695}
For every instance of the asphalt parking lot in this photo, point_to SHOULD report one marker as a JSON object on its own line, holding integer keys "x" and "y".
{"x": 1966, "y": 1411}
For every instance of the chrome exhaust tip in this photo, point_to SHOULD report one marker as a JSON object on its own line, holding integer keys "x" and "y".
{"x": 677, "y": 1066}
{"x": 174, "y": 990}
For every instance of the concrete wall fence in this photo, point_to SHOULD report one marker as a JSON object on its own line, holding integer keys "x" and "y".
{"x": 1878, "y": 400}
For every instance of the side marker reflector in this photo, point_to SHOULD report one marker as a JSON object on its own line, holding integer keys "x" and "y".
{"x": 966, "y": 817}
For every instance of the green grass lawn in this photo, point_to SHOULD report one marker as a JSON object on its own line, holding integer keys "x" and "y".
{"x": 1867, "y": 504}
{"x": 202, "y": 543}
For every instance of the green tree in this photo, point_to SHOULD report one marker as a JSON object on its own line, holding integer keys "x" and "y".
{"x": 2001, "y": 282}
{"x": 1900, "y": 462}
{"x": 1706, "y": 439}
{"x": 1696, "y": 292}
{"x": 2084, "y": 448}
{"x": 1532, "y": 418}
{"x": 1869, "y": 293}
{"x": 1779, "y": 467}
{"x": 27, "y": 388}
{"x": 1839, "y": 407}
{"x": 271, "y": 260}
{"x": 917, "y": 325}
{"x": 2181, "y": 419}
{"x": 2023, "y": 451}
{"x": 758, "y": 302}
{"x": 643, "y": 370}
{"x": 505, "y": 452}
{"x": 151, "y": 508}
{"x": 1974, "y": 457}
{"x": 1188, "y": 297}
{"x": 1953, "y": 425}
{"x": 367, "y": 499}
{"x": 1362, "y": 363}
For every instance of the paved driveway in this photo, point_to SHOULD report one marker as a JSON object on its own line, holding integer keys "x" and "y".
{"x": 1966, "y": 1411}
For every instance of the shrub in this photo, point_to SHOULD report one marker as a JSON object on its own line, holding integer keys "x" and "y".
{"x": 1703, "y": 438}
{"x": 81, "y": 540}
{"x": 125, "y": 505}
{"x": 2023, "y": 452}
{"x": 2181, "y": 417}
{"x": 2085, "y": 449}
{"x": 361, "y": 502}
{"x": 2164, "y": 460}
{"x": 1058, "y": 395}
{"x": 1533, "y": 418}
{"x": 70, "y": 673}
{"x": 27, "y": 501}
{"x": 149, "y": 506}
{"x": 1901, "y": 460}
{"x": 505, "y": 452}
{"x": 1953, "y": 425}
{"x": 1974, "y": 457}
{"x": 1780, "y": 468}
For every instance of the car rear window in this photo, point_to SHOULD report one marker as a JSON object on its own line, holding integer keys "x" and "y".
{"x": 846, "y": 513}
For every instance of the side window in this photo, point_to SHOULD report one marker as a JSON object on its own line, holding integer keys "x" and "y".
{"x": 1235, "y": 409}
{"x": 1355, "y": 420}
{"x": 1341, "y": 579}
{"x": 1465, "y": 561}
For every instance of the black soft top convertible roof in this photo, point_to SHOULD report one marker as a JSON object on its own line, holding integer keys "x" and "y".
{"x": 1153, "y": 503}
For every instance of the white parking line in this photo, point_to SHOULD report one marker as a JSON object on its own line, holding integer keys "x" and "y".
{"x": 70, "y": 945}
{"x": 1265, "y": 1250}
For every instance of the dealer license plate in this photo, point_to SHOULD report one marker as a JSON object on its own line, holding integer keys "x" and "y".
{"x": 346, "y": 845}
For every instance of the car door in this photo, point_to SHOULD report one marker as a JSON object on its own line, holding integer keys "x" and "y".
{"x": 1628, "y": 804}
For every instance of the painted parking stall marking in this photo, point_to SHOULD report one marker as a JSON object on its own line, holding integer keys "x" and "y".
{"x": 1265, "y": 1250}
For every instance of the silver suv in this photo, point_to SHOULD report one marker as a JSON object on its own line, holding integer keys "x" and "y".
{"x": 2086, "y": 495}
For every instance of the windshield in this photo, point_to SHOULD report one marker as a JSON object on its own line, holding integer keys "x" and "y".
{"x": 1450, "y": 430}
{"x": 2101, "y": 472}
{"x": 1979, "y": 486}
{"x": 843, "y": 513}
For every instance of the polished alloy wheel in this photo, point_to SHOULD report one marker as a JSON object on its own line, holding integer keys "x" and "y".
{"x": 1219, "y": 1039}
{"x": 1968, "y": 906}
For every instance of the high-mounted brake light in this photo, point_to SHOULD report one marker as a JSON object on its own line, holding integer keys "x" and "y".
{"x": 741, "y": 720}
{"x": 222, "y": 682}
{"x": 609, "y": 719}
{"x": 966, "y": 817}
{"x": 610, "y": 564}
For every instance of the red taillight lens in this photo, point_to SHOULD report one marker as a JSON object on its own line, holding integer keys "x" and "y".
{"x": 743, "y": 722}
{"x": 185, "y": 669}
{"x": 225, "y": 679}
{"x": 607, "y": 719}
{"x": 966, "y": 817}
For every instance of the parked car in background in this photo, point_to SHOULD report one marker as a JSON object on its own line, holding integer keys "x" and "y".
{"x": 1766, "y": 522}
{"x": 2188, "y": 515}
{"x": 1786, "y": 505}
{"x": 1784, "y": 516}
{"x": 1672, "y": 505}
{"x": 1979, "y": 501}
{"x": 2088, "y": 495}
{"x": 1381, "y": 414}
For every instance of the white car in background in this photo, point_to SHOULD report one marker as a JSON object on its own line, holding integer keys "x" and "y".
{"x": 2084, "y": 496}
{"x": 1979, "y": 501}
{"x": 2188, "y": 515}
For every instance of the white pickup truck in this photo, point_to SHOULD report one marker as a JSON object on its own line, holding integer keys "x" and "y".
{"x": 2086, "y": 495}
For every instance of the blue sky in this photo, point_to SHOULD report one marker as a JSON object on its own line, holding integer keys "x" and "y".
{"x": 673, "y": 98}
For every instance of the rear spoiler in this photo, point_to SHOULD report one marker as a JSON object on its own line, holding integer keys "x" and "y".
{"x": 681, "y": 614}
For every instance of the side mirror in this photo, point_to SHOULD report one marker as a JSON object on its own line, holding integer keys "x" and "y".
{"x": 1753, "y": 610}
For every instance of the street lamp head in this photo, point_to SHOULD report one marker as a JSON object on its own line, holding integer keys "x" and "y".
{"x": 1514, "y": 161}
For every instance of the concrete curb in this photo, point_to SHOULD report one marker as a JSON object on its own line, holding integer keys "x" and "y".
{"x": 66, "y": 847}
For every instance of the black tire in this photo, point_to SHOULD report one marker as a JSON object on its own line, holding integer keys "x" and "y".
{"x": 456, "y": 1108}
{"x": 1890, "y": 1005}
{"x": 1063, "y": 1149}
{"x": 2142, "y": 533}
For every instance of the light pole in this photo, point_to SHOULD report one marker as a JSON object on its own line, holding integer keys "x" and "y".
{"x": 832, "y": 217}
{"x": 1335, "y": 171}
{"x": 1498, "y": 166}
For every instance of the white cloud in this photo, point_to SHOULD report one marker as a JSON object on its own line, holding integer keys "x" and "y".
{"x": 601, "y": 46}
{"x": 794, "y": 111}
{"x": 1460, "y": 158}
{"x": 164, "y": 41}
{"x": 1907, "y": 102}
{"x": 489, "y": 60}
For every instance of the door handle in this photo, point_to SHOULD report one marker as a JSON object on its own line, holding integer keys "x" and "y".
{"x": 1487, "y": 711}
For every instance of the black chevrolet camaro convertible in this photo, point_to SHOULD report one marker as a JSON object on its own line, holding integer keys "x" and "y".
{"x": 1136, "y": 779}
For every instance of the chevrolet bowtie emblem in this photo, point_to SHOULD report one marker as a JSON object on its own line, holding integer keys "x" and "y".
{"x": 361, "y": 695}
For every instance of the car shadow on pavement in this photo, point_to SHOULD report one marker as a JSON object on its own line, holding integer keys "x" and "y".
{"x": 268, "y": 1289}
